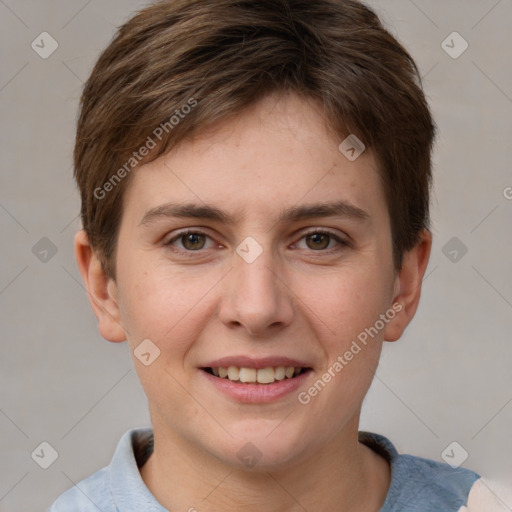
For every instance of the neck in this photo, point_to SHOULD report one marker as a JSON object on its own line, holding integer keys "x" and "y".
{"x": 345, "y": 475}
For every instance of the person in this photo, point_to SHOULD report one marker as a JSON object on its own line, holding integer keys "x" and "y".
{"x": 255, "y": 182}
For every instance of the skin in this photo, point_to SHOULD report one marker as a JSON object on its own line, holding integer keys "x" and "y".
{"x": 303, "y": 297}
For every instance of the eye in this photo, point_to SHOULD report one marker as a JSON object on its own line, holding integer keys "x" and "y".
{"x": 191, "y": 241}
{"x": 319, "y": 240}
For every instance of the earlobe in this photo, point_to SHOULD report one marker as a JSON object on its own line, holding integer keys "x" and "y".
{"x": 408, "y": 286}
{"x": 101, "y": 289}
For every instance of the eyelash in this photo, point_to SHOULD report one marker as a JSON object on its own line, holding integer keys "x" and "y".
{"x": 342, "y": 243}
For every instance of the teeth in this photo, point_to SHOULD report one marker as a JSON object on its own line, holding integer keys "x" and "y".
{"x": 266, "y": 375}
{"x": 280, "y": 373}
{"x": 246, "y": 375}
{"x": 233, "y": 373}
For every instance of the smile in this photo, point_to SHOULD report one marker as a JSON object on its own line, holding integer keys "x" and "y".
{"x": 251, "y": 385}
{"x": 267, "y": 375}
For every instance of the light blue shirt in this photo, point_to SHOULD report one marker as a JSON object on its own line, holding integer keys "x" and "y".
{"x": 417, "y": 484}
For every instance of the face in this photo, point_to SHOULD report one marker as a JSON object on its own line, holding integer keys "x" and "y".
{"x": 257, "y": 245}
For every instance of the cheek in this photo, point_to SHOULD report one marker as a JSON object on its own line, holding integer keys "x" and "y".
{"x": 164, "y": 305}
{"x": 170, "y": 309}
{"x": 344, "y": 316}
{"x": 346, "y": 303}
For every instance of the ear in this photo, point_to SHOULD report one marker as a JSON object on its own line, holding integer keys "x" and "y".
{"x": 101, "y": 289}
{"x": 408, "y": 286}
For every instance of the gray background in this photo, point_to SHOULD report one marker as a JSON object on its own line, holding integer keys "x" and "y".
{"x": 448, "y": 379}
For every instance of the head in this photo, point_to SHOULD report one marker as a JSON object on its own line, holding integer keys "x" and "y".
{"x": 228, "y": 119}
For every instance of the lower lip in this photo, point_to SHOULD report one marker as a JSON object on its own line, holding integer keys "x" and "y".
{"x": 257, "y": 393}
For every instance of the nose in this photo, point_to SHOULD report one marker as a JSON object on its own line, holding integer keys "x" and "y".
{"x": 256, "y": 296}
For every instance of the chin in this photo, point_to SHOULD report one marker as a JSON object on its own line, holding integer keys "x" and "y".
{"x": 260, "y": 446}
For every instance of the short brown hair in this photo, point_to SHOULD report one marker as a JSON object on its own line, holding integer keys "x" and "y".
{"x": 222, "y": 56}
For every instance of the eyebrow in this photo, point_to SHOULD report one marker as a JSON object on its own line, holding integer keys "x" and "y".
{"x": 293, "y": 214}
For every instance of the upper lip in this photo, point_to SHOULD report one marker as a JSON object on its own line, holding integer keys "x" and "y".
{"x": 250, "y": 362}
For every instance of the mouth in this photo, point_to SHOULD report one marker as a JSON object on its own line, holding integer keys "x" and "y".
{"x": 265, "y": 376}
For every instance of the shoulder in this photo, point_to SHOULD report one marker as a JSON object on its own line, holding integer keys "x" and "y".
{"x": 419, "y": 484}
{"x": 424, "y": 484}
{"x": 117, "y": 486}
{"x": 89, "y": 495}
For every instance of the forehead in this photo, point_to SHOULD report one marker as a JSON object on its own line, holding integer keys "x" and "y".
{"x": 278, "y": 153}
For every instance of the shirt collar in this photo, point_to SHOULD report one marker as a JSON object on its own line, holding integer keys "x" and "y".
{"x": 130, "y": 492}
{"x": 128, "y": 489}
